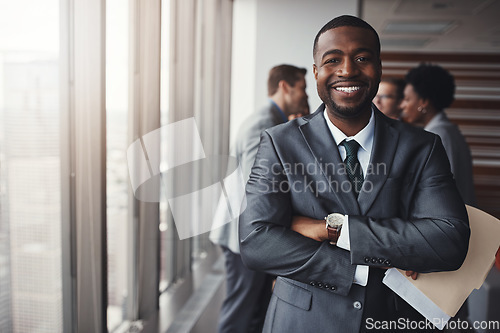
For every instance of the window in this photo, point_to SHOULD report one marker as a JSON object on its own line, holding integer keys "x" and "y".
{"x": 117, "y": 179}
{"x": 30, "y": 173}
{"x": 77, "y": 252}
{"x": 167, "y": 241}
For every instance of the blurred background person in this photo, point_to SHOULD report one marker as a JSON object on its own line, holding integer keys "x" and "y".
{"x": 389, "y": 97}
{"x": 302, "y": 113}
{"x": 429, "y": 90}
{"x": 248, "y": 292}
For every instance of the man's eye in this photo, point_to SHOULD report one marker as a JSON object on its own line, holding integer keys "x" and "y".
{"x": 333, "y": 60}
{"x": 362, "y": 59}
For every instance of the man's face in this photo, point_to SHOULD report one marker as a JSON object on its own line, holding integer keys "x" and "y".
{"x": 296, "y": 98}
{"x": 347, "y": 70}
{"x": 387, "y": 100}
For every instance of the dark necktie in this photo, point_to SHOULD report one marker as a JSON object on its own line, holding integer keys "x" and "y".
{"x": 353, "y": 167}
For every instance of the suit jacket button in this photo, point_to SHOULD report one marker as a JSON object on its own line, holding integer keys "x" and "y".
{"x": 333, "y": 288}
{"x": 367, "y": 259}
{"x": 312, "y": 283}
{"x": 320, "y": 284}
{"x": 387, "y": 262}
{"x": 380, "y": 260}
{"x": 374, "y": 260}
{"x": 327, "y": 286}
{"x": 357, "y": 305}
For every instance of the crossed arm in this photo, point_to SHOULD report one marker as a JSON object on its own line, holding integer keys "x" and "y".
{"x": 434, "y": 236}
{"x": 315, "y": 229}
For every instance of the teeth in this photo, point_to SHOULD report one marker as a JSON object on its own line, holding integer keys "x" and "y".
{"x": 347, "y": 89}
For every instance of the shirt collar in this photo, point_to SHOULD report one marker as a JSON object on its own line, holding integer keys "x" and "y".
{"x": 282, "y": 114}
{"x": 363, "y": 137}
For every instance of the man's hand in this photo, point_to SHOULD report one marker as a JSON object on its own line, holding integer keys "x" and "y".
{"x": 413, "y": 274}
{"x": 311, "y": 228}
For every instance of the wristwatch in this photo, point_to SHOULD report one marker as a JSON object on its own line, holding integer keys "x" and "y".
{"x": 334, "y": 224}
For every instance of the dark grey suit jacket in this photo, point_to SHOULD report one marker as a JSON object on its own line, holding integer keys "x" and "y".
{"x": 245, "y": 149}
{"x": 458, "y": 153}
{"x": 409, "y": 215}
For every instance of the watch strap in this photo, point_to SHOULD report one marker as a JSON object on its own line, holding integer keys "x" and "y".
{"x": 333, "y": 234}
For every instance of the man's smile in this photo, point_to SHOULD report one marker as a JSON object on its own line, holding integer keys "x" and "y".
{"x": 348, "y": 89}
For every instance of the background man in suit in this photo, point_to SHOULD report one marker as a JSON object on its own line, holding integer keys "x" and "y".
{"x": 389, "y": 97}
{"x": 386, "y": 188}
{"x": 248, "y": 291}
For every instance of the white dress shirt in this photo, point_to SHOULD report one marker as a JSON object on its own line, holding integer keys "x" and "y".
{"x": 365, "y": 140}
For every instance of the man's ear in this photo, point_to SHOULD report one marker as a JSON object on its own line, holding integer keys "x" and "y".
{"x": 315, "y": 72}
{"x": 283, "y": 86}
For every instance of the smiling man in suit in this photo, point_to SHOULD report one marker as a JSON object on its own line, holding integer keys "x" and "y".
{"x": 385, "y": 189}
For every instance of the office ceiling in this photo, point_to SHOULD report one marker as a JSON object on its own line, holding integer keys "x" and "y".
{"x": 457, "y": 26}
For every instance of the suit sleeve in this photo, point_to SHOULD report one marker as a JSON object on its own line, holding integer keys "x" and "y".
{"x": 248, "y": 151}
{"x": 268, "y": 244}
{"x": 434, "y": 236}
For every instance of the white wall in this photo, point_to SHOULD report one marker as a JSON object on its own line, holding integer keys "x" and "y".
{"x": 267, "y": 33}
{"x": 243, "y": 62}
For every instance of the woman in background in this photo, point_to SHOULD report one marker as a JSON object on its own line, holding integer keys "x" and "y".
{"x": 429, "y": 90}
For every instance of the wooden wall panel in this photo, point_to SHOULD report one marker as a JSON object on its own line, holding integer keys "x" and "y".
{"x": 476, "y": 110}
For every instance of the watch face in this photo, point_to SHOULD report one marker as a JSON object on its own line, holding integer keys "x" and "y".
{"x": 335, "y": 220}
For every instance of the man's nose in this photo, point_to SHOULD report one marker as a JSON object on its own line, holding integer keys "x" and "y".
{"x": 347, "y": 68}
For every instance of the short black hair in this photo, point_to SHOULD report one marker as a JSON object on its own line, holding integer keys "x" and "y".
{"x": 289, "y": 73}
{"x": 434, "y": 83}
{"x": 400, "y": 85}
{"x": 345, "y": 21}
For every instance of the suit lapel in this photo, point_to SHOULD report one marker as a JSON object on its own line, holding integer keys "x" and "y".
{"x": 385, "y": 142}
{"x": 326, "y": 154}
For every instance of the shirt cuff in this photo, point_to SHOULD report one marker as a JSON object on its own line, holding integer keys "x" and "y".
{"x": 361, "y": 273}
{"x": 343, "y": 241}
